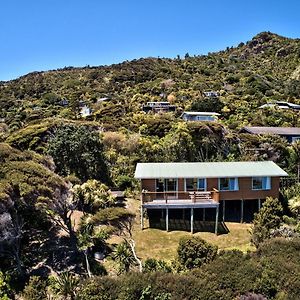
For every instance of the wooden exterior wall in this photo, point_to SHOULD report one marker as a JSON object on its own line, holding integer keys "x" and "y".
{"x": 245, "y": 188}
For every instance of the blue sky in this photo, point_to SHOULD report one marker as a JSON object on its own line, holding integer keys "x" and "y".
{"x": 39, "y": 35}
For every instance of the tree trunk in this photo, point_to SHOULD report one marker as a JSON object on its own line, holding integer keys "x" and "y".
{"x": 132, "y": 246}
{"x": 87, "y": 263}
{"x": 72, "y": 234}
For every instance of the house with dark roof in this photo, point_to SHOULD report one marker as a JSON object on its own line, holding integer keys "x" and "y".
{"x": 291, "y": 134}
{"x": 193, "y": 192}
{"x": 281, "y": 105}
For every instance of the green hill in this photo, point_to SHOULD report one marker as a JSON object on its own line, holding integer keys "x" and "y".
{"x": 263, "y": 69}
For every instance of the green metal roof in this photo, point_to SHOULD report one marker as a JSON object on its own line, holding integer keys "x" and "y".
{"x": 208, "y": 169}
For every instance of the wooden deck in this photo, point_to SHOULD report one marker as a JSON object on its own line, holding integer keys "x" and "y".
{"x": 180, "y": 200}
{"x": 191, "y": 199}
{"x": 180, "y": 203}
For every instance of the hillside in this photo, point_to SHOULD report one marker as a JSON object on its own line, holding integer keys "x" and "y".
{"x": 59, "y": 216}
{"x": 263, "y": 69}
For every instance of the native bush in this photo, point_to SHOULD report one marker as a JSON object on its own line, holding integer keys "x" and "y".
{"x": 78, "y": 150}
{"x": 194, "y": 252}
{"x": 35, "y": 289}
{"x": 269, "y": 217}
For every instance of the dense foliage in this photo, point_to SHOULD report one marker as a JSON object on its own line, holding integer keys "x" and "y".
{"x": 231, "y": 275}
{"x": 57, "y": 167}
{"x": 78, "y": 150}
{"x": 194, "y": 252}
{"x": 269, "y": 217}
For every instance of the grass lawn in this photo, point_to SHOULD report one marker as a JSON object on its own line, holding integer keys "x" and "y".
{"x": 160, "y": 244}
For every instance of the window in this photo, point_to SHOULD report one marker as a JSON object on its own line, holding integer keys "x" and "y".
{"x": 261, "y": 183}
{"x": 205, "y": 118}
{"x": 201, "y": 184}
{"x": 166, "y": 185}
{"x": 228, "y": 184}
{"x": 190, "y": 184}
{"x": 171, "y": 185}
{"x": 195, "y": 184}
{"x": 295, "y": 139}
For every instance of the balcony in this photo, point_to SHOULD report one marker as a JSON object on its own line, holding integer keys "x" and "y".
{"x": 180, "y": 199}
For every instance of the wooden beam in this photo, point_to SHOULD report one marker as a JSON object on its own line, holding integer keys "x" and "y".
{"x": 259, "y": 204}
{"x": 242, "y": 210}
{"x": 217, "y": 217}
{"x": 192, "y": 220}
{"x": 223, "y": 210}
{"x": 167, "y": 219}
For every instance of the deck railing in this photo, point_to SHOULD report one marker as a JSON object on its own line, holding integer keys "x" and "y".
{"x": 194, "y": 196}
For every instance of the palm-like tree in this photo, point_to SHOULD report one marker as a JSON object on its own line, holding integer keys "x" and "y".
{"x": 124, "y": 257}
{"x": 65, "y": 285}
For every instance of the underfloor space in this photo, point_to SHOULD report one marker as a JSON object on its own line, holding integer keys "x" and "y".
{"x": 204, "y": 218}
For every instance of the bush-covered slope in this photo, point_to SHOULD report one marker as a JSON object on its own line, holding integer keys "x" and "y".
{"x": 263, "y": 69}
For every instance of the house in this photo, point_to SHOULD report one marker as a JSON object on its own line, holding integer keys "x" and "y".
{"x": 211, "y": 94}
{"x": 199, "y": 116}
{"x": 290, "y": 133}
{"x": 281, "y": 105}
{"x": 103, "y": 99}
{"x": 203, "y": 191}
{"x": 158, "y": 107}
{"x": 85, "y": 111}
{"x": 64, "y": 102}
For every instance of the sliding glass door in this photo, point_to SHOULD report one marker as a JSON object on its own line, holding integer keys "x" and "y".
{"x": 168, "y": 185}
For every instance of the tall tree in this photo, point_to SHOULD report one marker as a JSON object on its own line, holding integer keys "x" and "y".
{"x": 78, "y": 150}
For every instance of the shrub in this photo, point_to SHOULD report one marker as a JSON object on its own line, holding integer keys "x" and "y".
{"x": 98, "y": 288}
{"x": 154, "y": 265}
{"x": 124, "y": 182}
{"x": 269, "y": 217}
{"x": 35, "y": 289}
{"x": 5, "y": 290}
{"x": 194, "y": 252}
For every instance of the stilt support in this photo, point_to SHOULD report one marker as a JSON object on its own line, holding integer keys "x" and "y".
{"x": 242, "y": 210}
{"x": 259, "y": 204}
{"x": 203, "y": 214}
{"x": 223, "y": 218}
{"x": 217, "y": 218}
{"x": 192, "y": 220}
{"x": 167, "y": 219}
{"x": 142, "y": 217}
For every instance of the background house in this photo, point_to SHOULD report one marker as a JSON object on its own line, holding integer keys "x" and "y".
{"x": 199, "y": 116}
{"x": 197, "y": 191}
{"x": 281, "y": 105}
{"x": 159, "y": 107}
{"x": 290, "y": 133}
{"x": 211, "y": 94}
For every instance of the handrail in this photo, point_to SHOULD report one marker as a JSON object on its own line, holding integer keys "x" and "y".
{"x": 194, "y": 196}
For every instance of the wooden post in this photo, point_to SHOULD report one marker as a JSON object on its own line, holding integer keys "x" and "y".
{"x": 203, "y": 214}
{"x": 223, "y": 210}
{"x": 217, "y": 217}
{"x": 142, "y": 217}
{"x": 167, "y": 219}
{"x": 259, "y": 204}
{"x": 192, "y": 220}
{"x": 242, "y": 210}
